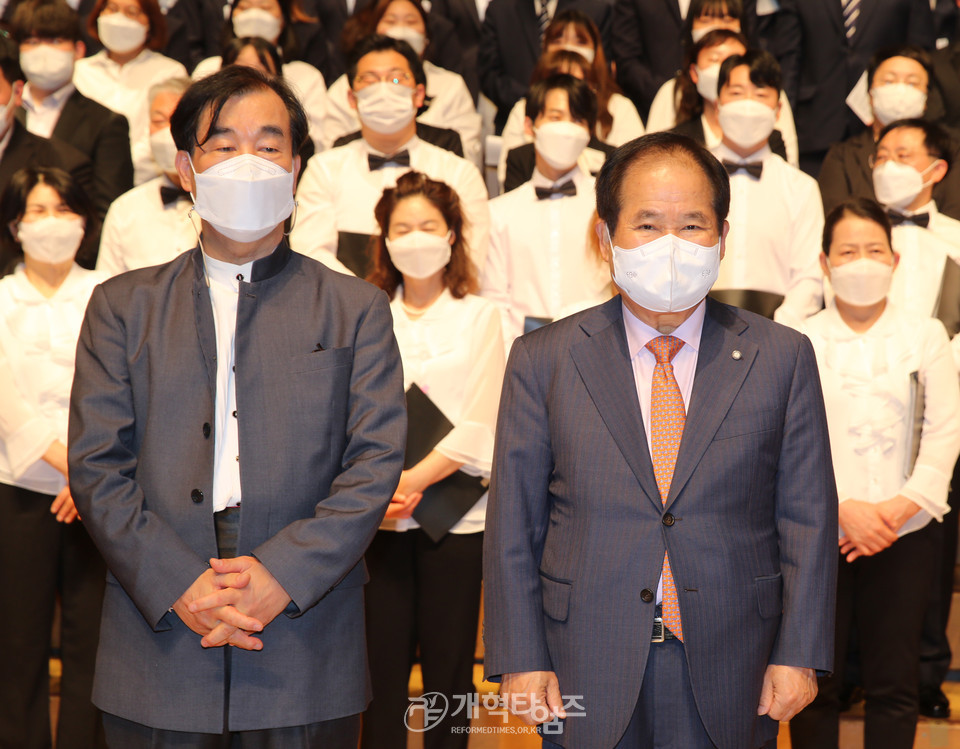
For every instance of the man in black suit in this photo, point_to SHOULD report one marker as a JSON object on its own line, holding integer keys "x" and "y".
{"x": 465, "y": 17}
{"x": 822, "y": 60}
{"x": 20, "y": 148}
{"x": 48, "y": 33}
{"x": 510, "y": 46}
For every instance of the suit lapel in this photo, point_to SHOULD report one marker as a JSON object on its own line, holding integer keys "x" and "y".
{"x": 603, "y": 362}
{"x": 674, "y": 7}
{"x": 527, "y": 18}
{"x": 70, "y": 117}
{"x": 203, "y": 314}
{"x": 834, "y": 11}
{"x": 471, "y": 9}
{"x": 718, "y": 379}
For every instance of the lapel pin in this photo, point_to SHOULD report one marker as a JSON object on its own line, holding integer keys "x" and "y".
{"x": 736, "y": 355}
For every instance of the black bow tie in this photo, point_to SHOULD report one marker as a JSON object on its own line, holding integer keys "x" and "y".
{"x": 920, "y": 219}
{"x": 170, "y": 195}
{"x": 567, "y": 188}
{"x": 754, "y": 169}
{"x": 401, "y": 158}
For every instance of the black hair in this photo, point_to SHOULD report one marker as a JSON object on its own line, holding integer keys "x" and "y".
{"x": 691, "y": 103}
{"x": 910, "y": 51}
{"x": 10, "y": 60}
{"x": 45, "y": 19}
{"x": 214, "y": 91}
{"x": 13, "y": 202}
{"x": 653, "y": 146}
{"x": 764, "y": 69}
{"x": 583, "y": 102}
{"x": 935, "y": 138}
{"x": 268, "y": 54}
{"x": 287, "y": 42}
{"x": 710, "y": 8}
{"x": 863, "y": 208}
{"x": 381, "y": 43}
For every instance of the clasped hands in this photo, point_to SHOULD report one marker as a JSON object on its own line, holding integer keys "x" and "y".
{"x": 230, "y": 601}
{"x": 870, "y": 528}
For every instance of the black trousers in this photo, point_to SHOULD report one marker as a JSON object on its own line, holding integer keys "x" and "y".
{"x": 884, "y": 598}
{"x": 39, "y": 560}
{"x": 422, "y": 594}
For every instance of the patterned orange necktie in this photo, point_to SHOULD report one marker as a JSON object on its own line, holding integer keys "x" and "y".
{"x": 667, "y": 417}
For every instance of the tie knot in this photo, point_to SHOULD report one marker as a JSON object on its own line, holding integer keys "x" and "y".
{"x": 665, "y": 347}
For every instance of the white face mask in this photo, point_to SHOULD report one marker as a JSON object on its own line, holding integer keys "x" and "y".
{"x": 164, "y": 150}
{"x": 120, "y": 34}
{"x": 862, "y": 282}
{"x": 668, "y": 274}
{"x": 707, "y": 80}
{"x": 416, "y": 39}
{"x": 386, "y": 108}
{"x": 897, "y": 101}
{"x": 587, "y": 53}
{"x": 244, "y": 198}
{"x": 747, "y": 122}
{"x": 897, "y": 185}
{"x": 46, "y": 67}
{"x": 53, "y": 239}
{"x": 560, "y": 143}
{"x": 420, "y": 254}
{"x": 257, "y": 22}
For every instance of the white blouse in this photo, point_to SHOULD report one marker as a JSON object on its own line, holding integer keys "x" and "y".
{"x": 125, "y": 89}
{"x": 305, "y": 80}
{"x": 869, "y": 392}
{"x": 626, "y": 126}
{"x": 454, "y": 353}
{"x": 38, "y": 341}
{"x": 451, "y": 106}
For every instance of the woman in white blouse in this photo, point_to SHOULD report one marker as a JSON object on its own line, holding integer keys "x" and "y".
{"x": 120, "y": 75}
{"x": 893, "y": 409}
{"x": 425, "y": 592}
{"x": 44, "y": 549}
{"x": 273, "y": 21}
{"x": 449, "y": 103}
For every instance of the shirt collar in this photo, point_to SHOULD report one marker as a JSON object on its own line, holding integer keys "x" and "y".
{"x": 410, "y": 145}
{"x": 53, "y": 101}
{"x": 639, "y": 334}
{"x": 539, "y": 180}
{"x": 5, "y": 140}
{"x": 930, "y": 208}
{"x": 723, "y": 153}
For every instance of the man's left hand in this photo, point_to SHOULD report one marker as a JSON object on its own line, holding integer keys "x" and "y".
{"x": 246, "y": 585}
{"x": 786, "y": 691}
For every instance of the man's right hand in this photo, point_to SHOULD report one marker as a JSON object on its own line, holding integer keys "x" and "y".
{"x": 533, "y": 696}
{"x": 227, "y": 624}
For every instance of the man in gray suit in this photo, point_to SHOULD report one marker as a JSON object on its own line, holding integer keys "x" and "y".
{"x": 241, "y": 404}
{"x": 681, "y": 599}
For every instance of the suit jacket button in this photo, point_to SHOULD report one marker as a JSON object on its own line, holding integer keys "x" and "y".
{"x": 206, "y": 430}
{"x": 197, "y": 496}
{"x": 646, "y": 595}
{"x": 669, "y": 520}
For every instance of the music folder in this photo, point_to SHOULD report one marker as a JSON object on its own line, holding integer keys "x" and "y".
{"x": 446, "y": 501}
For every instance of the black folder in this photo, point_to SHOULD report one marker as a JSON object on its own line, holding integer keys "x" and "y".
{"x": 354, "y": 251}
{"x": 762, "y": 302}
{"x": 531, "y": 324}
{"x": 445, "y": 502}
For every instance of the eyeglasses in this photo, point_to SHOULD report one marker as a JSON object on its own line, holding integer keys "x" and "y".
{"x": 903, "y": 157}
{"x": 393, "y": 76}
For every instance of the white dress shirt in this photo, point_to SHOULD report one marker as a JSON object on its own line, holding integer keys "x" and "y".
{"x": 338, "y": 192}
{"x": 776, "y": 232}
{"x": 223, "y": 280}
{"x": 454, "y": 353}
{"x": 542, "y": 259}
{"x": 38, "y": 341}
{"x": 867, "y": 391}
{"x": 451, "y": 106}
{"x": 663, "y": 116}
{"x": 42, "y": 117}
{"x": 305, "y": 80}
{"x": 625, "y": 127}
{"x": 482, "y": 8}
{"x": 644, "y": 362}
{"x": 140, "y": 231}
{"x": 125, "y": 89}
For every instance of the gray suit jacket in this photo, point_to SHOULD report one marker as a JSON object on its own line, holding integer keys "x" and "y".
{"x": 576, "y": 532}
{"x": 322, "y": 431}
